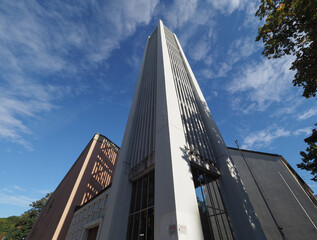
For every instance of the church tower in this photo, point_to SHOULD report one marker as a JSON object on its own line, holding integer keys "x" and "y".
{"x": 174, "y": 177}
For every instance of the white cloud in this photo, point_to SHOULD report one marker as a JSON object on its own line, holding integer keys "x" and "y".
{"x": 180, "y": 12}
{"x": 250, "y": 20}
{"x": 37, "y": 42}
{"x": 265, "y": 137}
{"x": 290, "y": 106}
{"x": 224, "y": 69}
{"x": 122, "y": 17}
{"x": 17, "y": 196}
{"x": 240, "y": 49}
{"x": 134, "y": 61}
{"x": 193, "y": 21}
{"x": 20, "y": 100}
{"x": 44, "y": 191}
{"x": 200, "y": 49}
{"x": 15, "y": 200}
{"x": 18, "y": 188}
{"x": 262, "y": 84}
{"x": 207, "y": 73}
{"x": 228, "y": 6}
{"x": 38, "y": 39}
{"x": 8, "y": 190}
{"x": 306, "y": 131}
{"x": 307, "y": 114}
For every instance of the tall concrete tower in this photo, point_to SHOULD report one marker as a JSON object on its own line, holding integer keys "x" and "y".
{"x": 174, "y": 177}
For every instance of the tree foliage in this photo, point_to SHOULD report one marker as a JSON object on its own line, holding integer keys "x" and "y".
{"x": 310, "y": 156}
{"x": 7, "y": 225}
{"x": 19, "y": 227}
{"x": 290, "y": 28}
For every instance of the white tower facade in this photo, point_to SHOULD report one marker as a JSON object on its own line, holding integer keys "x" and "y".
{"x": 174, "y": 177}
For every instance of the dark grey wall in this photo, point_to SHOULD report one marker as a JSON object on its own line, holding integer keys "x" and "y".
{"x": 284, "y": 209}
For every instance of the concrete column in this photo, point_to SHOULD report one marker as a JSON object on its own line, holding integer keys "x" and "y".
{"x": 176, "y": 209}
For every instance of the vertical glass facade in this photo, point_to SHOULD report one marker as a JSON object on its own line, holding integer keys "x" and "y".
{"x": 197, "y": 138}
{"x": 141, "y": 217}
{"x": 142, "y": 140}
{"x": 212, "y": 212}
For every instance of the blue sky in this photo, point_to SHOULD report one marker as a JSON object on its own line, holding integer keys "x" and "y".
{"x": 68, "y": 70}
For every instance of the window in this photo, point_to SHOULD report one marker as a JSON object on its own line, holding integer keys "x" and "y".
{"x": 141, "y": 217}
{"x": 212, "y": 212}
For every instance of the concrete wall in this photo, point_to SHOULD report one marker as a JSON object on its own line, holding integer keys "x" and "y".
{"x": 91, "y": 172}
{"x": 282, "y": 204}
{"x": 176, "y": 210}
{"x": 88, "y": 216}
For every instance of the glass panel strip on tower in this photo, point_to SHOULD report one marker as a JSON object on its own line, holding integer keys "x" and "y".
{"x": 195, "y": 131}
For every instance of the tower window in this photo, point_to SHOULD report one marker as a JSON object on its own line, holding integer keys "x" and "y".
{"x": 141, "y": 217}
{"x": 212, "y": 212}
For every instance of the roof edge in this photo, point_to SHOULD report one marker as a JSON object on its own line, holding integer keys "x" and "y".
{"x": 98, "y": 135}
{"x": 252, "y": 151}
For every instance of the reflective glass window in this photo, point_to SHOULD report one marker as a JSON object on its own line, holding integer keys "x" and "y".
{"x": 212, "y": 212}
{"x": 141, "y": 218}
